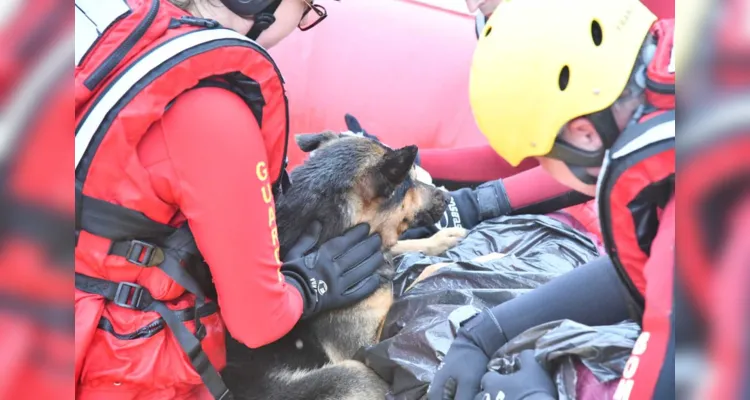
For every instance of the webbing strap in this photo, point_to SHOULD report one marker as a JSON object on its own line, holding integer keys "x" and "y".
{"x": 175, "y": 251}
{"x": 108, "y": 220}
{"x": 134, "y": 296}
{"x": 178, "y": 249}
{"x": 192, "y": 346}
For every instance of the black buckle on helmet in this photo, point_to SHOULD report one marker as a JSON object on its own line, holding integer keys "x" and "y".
{"x": 130, "y": 295}
{"x": 141, "y": 253}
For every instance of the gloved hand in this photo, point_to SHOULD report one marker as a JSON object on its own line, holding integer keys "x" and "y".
{"x": 340, "y": 273}
{"x": 459, "y": 376}
{"x": 468, "y": 208}
{"x": 529, "y": 382}
{"x": 489, "y": 200}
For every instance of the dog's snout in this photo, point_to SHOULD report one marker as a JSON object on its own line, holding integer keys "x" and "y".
{"x": 446, "y": 197}
{"x": 442, "y": 198}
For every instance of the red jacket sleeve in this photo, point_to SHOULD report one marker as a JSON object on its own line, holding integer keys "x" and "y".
{"x": 532, "y": 186}
{"x": 215, "y": 143}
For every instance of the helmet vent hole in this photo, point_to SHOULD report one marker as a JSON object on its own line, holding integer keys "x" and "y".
{"x": 562, "y": 81}
{"x": 596, "y": 32}
{"x": 487, "y": 31}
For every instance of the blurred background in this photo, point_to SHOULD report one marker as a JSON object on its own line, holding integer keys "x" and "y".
{"x": 713, "y": 153}
{"x": 37, "y": 203}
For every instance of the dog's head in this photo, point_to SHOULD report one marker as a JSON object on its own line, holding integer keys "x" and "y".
{"x": 352, "y": 179}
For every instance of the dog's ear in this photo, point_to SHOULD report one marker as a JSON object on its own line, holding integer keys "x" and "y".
{"x": 396, "y": 164}
{"x": 308, "y": 142}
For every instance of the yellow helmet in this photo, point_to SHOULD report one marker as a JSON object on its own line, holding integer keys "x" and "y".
{"x": 541, "y": 63}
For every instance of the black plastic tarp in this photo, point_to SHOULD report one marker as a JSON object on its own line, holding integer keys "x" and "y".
{"x": 499, "y": 260}
{"x": 559, "y": 345}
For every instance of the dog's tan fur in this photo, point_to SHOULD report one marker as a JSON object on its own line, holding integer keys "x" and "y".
{"x": 340, "y": 333}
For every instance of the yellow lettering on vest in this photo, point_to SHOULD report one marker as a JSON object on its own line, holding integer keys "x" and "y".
{"x": 267, "y": 193}
{"x": 261, "y": 170}
{"x": 271, "y": 218}
{"x": 275, "y": 236}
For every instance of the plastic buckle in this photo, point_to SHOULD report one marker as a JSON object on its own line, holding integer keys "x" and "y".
{"x": 140, "y": 253}
{"x": 132, "y": 291}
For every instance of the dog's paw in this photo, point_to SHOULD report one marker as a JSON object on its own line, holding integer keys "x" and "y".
{"x": 427, "y": 272}
{"x": 445, "y": 239}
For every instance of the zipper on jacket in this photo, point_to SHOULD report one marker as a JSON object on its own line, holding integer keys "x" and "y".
{"x": 122, "y": 50}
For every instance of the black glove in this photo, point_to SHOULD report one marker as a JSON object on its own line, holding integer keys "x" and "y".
{"x": 530, "y": 381}
{"x": 340, "y": 273}
{"x": 467, "y": 209}
{"x": 489, "y": 200}
{"x": 466, "y": 362}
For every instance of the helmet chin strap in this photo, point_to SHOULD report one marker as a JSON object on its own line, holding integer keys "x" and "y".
{"x": 582, "y": 174}
{"x": 579, "y": 160}
{"x": 262, "y": 20}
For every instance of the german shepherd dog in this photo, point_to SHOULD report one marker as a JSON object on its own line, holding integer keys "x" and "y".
{"x": 346, "y": 181}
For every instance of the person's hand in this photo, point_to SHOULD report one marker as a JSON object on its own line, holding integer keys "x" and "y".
{"x": 529, "y": 381}
{"x": 340, "y": 273}
{"x": 459, "y": 377}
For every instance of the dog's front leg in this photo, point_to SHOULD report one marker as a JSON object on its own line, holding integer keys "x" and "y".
{"x": 435, "y": 245}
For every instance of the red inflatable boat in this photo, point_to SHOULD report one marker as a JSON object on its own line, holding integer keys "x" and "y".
{"x": 401, "y": 67}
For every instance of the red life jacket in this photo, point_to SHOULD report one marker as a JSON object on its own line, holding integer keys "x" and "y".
{"x": 635, "y": 195}
{"x": 132, "y": 60}
{"x": 637, "y": 178}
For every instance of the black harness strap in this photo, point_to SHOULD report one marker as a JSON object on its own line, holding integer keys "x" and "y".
{"x": 102, "y": 218}
{"x": 179, "y": 250}
{"x": 173, "y": 250}
{"x": 136, "y": 297}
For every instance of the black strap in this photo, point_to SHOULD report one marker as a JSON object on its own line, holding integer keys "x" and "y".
{"x": 172, "y": 251}
{"x": 124, "y": 294}
{"x": 136, "y": 297}
{"x": 198, "y": 358}
{"x": 178, "y": 252}
{"x": 262, "y": 20}
{"x": 108, "y": 220}
{"x": 153, "y": 327}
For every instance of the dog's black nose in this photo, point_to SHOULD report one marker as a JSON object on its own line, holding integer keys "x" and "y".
{"x": 446, "y": 197}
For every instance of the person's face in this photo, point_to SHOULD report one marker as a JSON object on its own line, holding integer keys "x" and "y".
{"x": 579, "y": 133}
{"x": 582, "y": 134}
